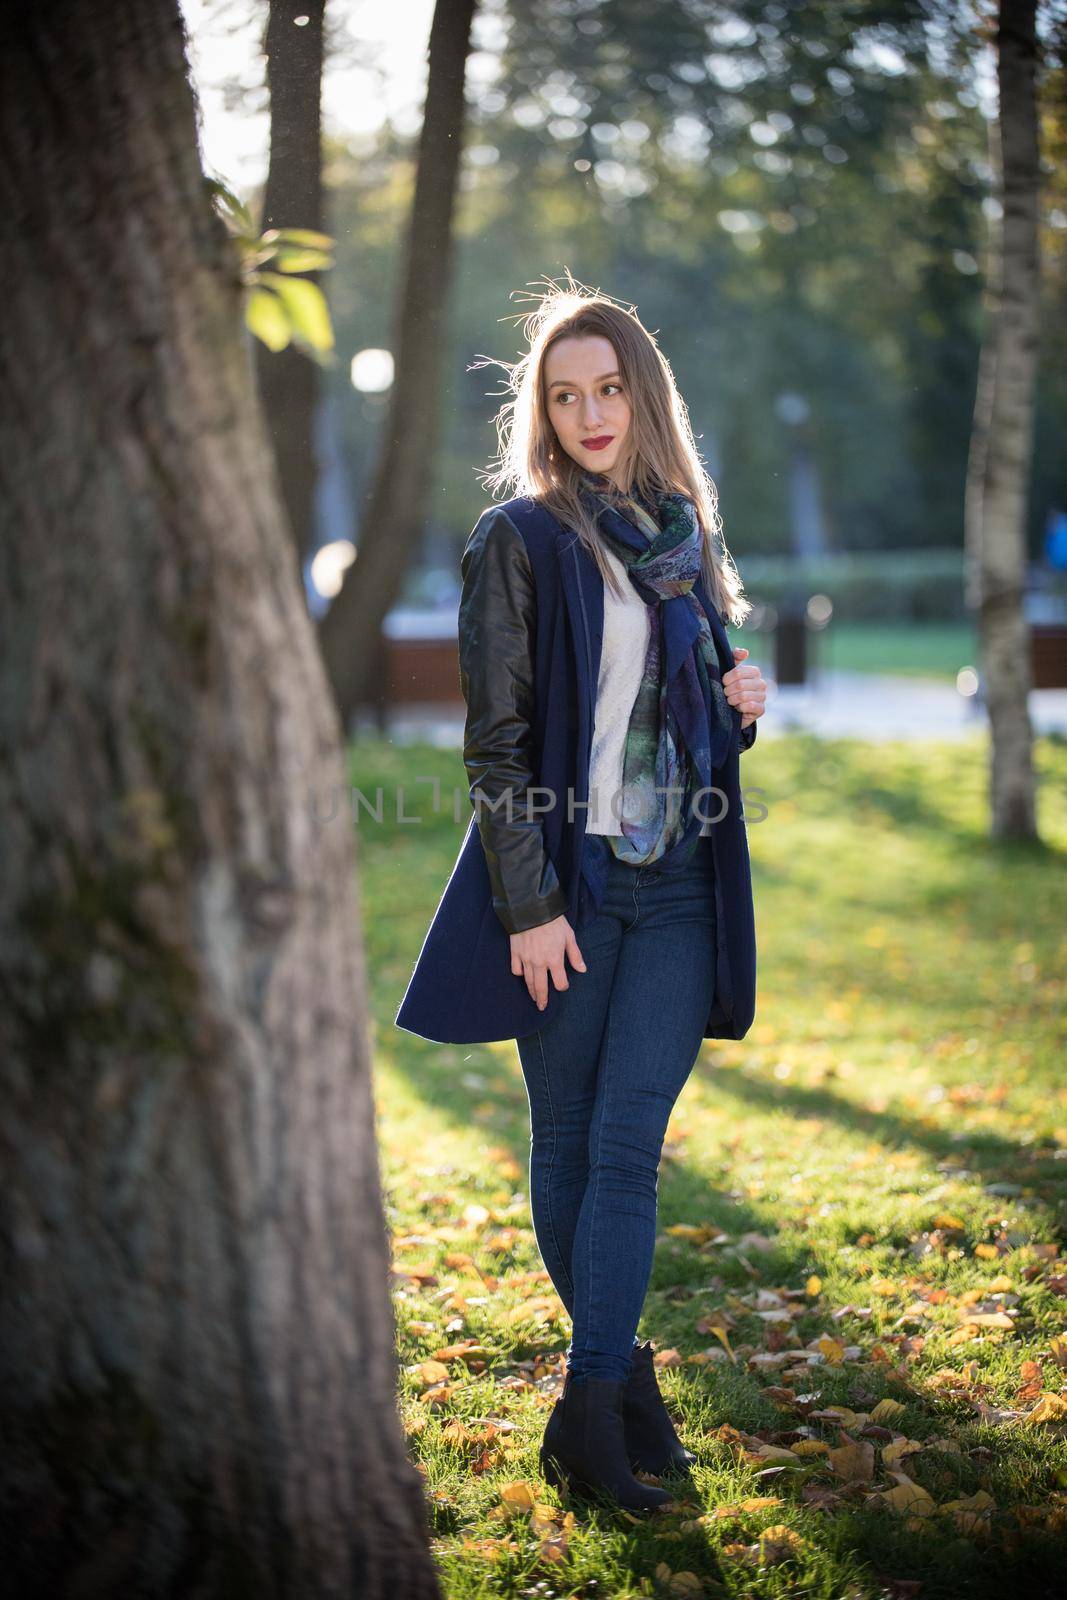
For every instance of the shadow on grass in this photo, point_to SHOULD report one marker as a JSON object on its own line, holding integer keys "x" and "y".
{"x": 988, "y": 1156}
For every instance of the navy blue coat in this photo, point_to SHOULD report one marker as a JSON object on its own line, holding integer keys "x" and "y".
{"x": 462, "y": 989}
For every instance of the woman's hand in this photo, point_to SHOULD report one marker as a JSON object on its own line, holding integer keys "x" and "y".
{"x": 745, "y": 689}
{"x": 539, "y": 951}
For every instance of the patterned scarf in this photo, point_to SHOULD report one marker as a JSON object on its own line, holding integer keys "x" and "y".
{"x": 680, "y": 726}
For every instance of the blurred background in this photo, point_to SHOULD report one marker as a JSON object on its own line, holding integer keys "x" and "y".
{"x": 799, "y": 200}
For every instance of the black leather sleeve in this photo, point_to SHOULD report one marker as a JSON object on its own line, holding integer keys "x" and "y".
{"x": 497, "y": 621}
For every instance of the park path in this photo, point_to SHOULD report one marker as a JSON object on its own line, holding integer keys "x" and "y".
{"x": 833, "y": 704}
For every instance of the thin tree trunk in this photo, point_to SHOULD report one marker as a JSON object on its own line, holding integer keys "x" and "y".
{"x": 1002, "y": 438}
{"x": 289, "y": 380}
{"x": 197, "y": 1357}
{"x": 390, "y": 525}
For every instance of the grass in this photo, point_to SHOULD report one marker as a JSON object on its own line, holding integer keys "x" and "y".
{"x": 915, "y": 649}
{"x": 862, "y": 1206}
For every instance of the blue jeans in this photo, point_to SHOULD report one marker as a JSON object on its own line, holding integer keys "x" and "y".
{"x": 602, "y": 1078}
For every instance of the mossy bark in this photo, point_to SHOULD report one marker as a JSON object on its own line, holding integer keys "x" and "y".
{"x": 197, "y": 1360}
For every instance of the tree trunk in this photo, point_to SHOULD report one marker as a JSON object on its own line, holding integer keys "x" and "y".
{"x": 197, "y": 1350}
{"x": 390, "y": 526}
{"x": 1001, "y": 444}
{"x": 288, "y": 379}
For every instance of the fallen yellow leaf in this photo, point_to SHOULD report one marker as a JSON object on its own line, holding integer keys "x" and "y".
{"x": 1049, "y": 1408}
{"x": 753, "y": 1503}
{"x": 518, "y": 1496}
{"x": 907, "y": 1497}
{"x": 779, "y": 1544}
{"x": 774, "y": 1453}
{"x": 971, "y": 1514}
{"x": 854, "y": 1460}
{"x": 893, "y": 1454}
{"x": 431, "y": 1372}
{"x": 886, "y": 1410}
{"x": 719, "y": 1330}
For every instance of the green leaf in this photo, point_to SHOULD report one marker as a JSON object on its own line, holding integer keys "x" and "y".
{"x": 238, "y": 211}
{"x": 267, "y": 318}
{"x": 314, "y": 241}
{"x": 292, "y": 259}
{"x": 307, "y": 308}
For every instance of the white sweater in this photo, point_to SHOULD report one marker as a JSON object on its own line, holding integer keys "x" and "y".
{"x": 626, "y": 627}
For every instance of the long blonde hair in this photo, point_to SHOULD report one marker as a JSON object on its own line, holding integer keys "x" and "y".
{"x": 660, "y": 452}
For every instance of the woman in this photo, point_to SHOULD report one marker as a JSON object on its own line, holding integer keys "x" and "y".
{"x": 605, "y": 715}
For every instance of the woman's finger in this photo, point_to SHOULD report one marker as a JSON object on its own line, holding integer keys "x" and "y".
{"x": 537, "y": 983}
{"x": 573, "y": 952}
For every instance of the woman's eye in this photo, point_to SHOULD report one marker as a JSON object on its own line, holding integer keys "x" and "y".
{"x": 566, "y": 394}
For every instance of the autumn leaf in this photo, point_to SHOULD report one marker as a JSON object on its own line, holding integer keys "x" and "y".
{"x": 685, "y": 1585}
{"x": 741, "y": 1507}
{"x": 1058, "y": 1349}
{"x": 517, "y": 1497}
{"x": 773, "y": 1453}
{"x": 893, "y": 1454}
{"x": 698, "y": 1232}
{"x": 1031, "y": 1382}
{"x": 971, "y": 1514}
{"x": 886, "y": 1410}
{"x": 1049, "y": 1408}
{"x": 853, "y": 1460}
{"x": 780, "y": 1544}
{"x": 431, "y": 1372}
{"x": 491, "y": 1547}
{"x": 907, "y": 1497}
{"x": 437, "y": 1396}
{"x": 456, "y": 1433}
{"x": 717, "y": 1326}
{"x": 463, "y": 1351}
{"x": 840, "y": 1414}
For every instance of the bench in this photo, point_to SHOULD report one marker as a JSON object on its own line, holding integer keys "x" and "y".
{"x": 1048, "y": 655}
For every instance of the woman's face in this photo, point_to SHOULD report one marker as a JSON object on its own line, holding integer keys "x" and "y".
{"x": 586, "y": 403}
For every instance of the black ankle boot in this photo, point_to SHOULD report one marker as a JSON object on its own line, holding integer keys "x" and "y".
{"x": 585, "y": 1446}
{"x": 652, "y": 1445}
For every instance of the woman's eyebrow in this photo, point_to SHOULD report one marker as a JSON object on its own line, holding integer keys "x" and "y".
{"x": 572, "y": 385}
